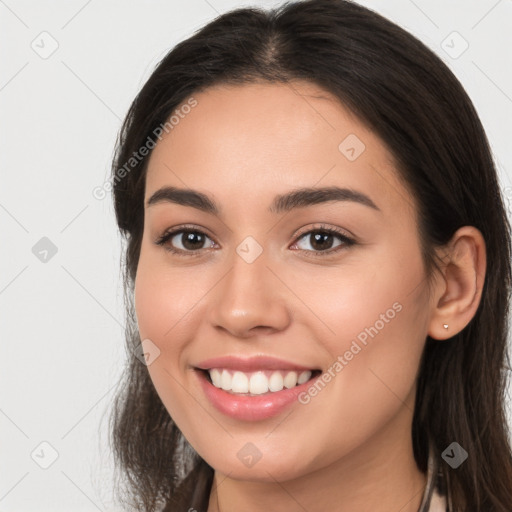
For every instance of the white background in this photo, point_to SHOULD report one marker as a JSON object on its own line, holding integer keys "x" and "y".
{"x": 62, "y": 321}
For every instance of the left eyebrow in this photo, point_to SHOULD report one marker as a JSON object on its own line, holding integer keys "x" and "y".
{"x": 298, "y": 198}
{"x": 309, "y": 196}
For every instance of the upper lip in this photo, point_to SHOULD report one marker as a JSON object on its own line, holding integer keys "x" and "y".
{"x": 250, "y": 364}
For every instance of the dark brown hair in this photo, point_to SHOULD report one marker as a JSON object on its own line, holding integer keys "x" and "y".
{"x": 404, "y": 92}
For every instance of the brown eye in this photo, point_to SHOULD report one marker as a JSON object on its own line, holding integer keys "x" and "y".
{"x": 190, "y": 240}
{"x": 184, "y": 241}
{"x": 323, "y": 240}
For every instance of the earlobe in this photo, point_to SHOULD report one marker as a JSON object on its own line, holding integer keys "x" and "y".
{"x": 457, "y": 295}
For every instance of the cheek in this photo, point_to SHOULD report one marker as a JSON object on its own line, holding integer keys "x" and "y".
{"x": 377, "y": 316}
{"x": 165, "y": 299}
{"x": 161, "y": 308}
{"x": 365, "y": 385}
{"x": 374, "y": 295}
{"x": 385, "y": 311}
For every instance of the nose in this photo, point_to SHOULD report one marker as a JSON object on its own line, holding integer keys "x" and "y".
{"x": 249, "y": 300}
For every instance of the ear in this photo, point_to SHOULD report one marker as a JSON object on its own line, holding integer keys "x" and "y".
{"x": 458, "y": 291}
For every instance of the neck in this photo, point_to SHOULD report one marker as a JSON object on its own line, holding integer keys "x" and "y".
{"x": 380, "y": 475}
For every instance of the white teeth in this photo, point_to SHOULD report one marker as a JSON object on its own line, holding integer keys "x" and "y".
{"x": 290, "y": 381}
{"x": 257, "y": 383}
{"x": 304, "y": 377}
{"x": 240, "y": 383}
{"x": 275, "y": 382}
{"x": 225, "y": 380}
{"x": 216, "y": 378}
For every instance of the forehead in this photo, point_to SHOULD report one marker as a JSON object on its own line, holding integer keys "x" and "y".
{"x": 245, "y": 142}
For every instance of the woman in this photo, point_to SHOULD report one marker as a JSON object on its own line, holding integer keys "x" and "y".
{"x": 317, "y": 274}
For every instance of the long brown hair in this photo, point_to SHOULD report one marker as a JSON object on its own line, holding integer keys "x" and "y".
{"x": 401, "y": 89}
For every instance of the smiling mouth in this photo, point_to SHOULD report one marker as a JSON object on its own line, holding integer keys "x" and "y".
{"x": 258, "y": 382}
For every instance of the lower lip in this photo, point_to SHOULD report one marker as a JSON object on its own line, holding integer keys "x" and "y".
{"x": 251, "y": 408}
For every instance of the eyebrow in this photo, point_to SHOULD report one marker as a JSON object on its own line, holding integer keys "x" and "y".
{"x": 298, "y": 198}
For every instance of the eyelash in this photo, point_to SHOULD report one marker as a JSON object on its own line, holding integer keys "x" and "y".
{"x": 162, "y": 241}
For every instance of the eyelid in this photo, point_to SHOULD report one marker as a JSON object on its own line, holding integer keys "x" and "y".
{"x": 319, "y": 226}
{"x": 183, "y": 227}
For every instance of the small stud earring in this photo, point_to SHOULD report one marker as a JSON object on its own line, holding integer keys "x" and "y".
{"x": 445, "y": 326}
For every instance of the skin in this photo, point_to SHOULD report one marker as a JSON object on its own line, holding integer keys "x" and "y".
{"x": 350, "y": 447}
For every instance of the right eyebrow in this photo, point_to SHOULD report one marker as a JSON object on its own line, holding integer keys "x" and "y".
{"x": 185, "y": 197}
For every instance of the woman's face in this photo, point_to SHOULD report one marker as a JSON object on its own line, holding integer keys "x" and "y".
{"x": 260, "y": 293}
